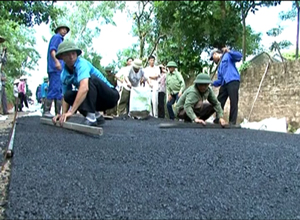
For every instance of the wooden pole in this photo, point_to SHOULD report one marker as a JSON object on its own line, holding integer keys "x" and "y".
{"x": 75, "y": 127}
{"x": 195, "y": 125}
{"x": 266, "y": 70}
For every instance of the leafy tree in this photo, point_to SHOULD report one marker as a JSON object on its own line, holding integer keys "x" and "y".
{"x": 21, "y": 53}
{"x": 289, "y": 55}
{"x": 274, "y": 32}
{"x": 250, "y": 6}
{"x": 292, "y": 14}
{"x": 122, "y": 56}
{"x": 85, "y": 23}
{"x": 194, "y": 27}
{"x": 142, "y": 16}
{"x": 28, "y": 13}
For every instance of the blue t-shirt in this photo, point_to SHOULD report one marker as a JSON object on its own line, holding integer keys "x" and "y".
{"x": 55, "y": 41}
{"x": 44, "y": 89}
{"x": 82, "y": 70}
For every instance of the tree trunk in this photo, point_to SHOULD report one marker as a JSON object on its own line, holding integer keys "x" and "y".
{"x": 223, "y": 9}
{"x": 297, "y": 40}
{"x": 244, "y": 39}
{"x": 141, "y": 48}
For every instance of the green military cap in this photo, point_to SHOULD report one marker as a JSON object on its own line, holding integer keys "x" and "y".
{"x": 67, "y": 46}
{"x": 2, "y": 39}
{"x": 61, "y": 26}
{"x": 108, "y": 68}
{"x": 172, "y": 64}
{"x": 203, "y": 78}
{"x": 45, "y": 78}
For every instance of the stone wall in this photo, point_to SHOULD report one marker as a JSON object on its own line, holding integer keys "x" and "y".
{"x": 279, "y": 95}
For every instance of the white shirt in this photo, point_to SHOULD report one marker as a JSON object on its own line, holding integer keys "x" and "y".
{"x": 152, "y": 72}
{"x": 124, "y": 71}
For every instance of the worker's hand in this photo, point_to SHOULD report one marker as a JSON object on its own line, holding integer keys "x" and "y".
{"x": 222, "y": 122}
{"x": 63, "y": 117}
{"x": 129, "y": 84}
{"x": 225, "y": 49}
{"x": 55, "y": 118}
{"x": 169, "y": 97}
{"x": 179, "y": 94}
{"x": 58, "y": 65}
{"x": 199, "y": 121}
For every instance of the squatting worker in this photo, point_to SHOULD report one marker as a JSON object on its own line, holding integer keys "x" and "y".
{"x": 94, "y": 93}
{"x": 191, "y": 106}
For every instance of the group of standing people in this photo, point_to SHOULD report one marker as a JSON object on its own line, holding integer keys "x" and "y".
{"x": 197, "y": 100}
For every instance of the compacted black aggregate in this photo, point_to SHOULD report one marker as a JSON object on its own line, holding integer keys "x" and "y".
{"x": 138, "y": 171}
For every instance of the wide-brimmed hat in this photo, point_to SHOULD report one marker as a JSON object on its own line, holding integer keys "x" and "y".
{"x": 67, "y": 46}
{"x": 137, "y": 63}
{"x": 23, "y": 77}
{"x": 203, "y": 78}
{"x": 108, "y": 68}
{"x": 2, "y": 39}
{"x": 172, "y": 64}
{"x": 16, "y": 81}
{"x": 61, "y": 26}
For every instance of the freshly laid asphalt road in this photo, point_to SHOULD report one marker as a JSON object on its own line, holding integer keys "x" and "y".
{"x": 138, "y": 171}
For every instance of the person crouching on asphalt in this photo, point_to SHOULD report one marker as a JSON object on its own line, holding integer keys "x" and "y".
{"x": 191, "y": 106}
{"x": 94, "y": 93}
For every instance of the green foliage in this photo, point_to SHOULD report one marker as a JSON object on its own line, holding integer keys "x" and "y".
{"x": 244, "y": 66}
{"x": 28, "y": 13}
{"x": 194, "y": 27}
{"x": 9, "y": 89}
{"x": 291, "y": 14}
{"x": 289, "y": 55}
{"x": 253, "y": 42}
{"x": 85, "y": 22}
{"x": 20, "y": 43}
{"x": 274, "y": 32}
{"x": 123, "y": 55}
{"x": 143, "y": 25}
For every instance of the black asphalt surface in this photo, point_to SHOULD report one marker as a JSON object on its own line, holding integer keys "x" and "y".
{"x": 138, "y": 171}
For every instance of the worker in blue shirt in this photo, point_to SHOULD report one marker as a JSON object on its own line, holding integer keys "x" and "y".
{"x": 92, "y": 91}
{"x": 228, "y": 79}
{"x": 54, "y": 68}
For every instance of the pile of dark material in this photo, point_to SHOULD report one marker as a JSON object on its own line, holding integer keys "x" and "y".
{"x": 138, "y": 171}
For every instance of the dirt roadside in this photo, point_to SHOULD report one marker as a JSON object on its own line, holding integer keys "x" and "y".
{"x": 5, "y": 128}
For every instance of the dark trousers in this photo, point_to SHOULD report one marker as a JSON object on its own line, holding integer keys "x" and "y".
{"x": 230, "y": 90}
{"x": 161, "y": 104}
{"x": 202, "y": 111}
{"x": 124, "y": 102}
{"x": 100, "y": 97}
{"x": 169, "y": 106}
{"x": 22, "y": 99}
{"x": 4, "y": 100}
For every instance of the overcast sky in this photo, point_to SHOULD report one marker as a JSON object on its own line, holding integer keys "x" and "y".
{"x": 114, "y": 38}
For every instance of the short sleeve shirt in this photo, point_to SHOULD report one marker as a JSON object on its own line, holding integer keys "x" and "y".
{"x": 82, "y": 70}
